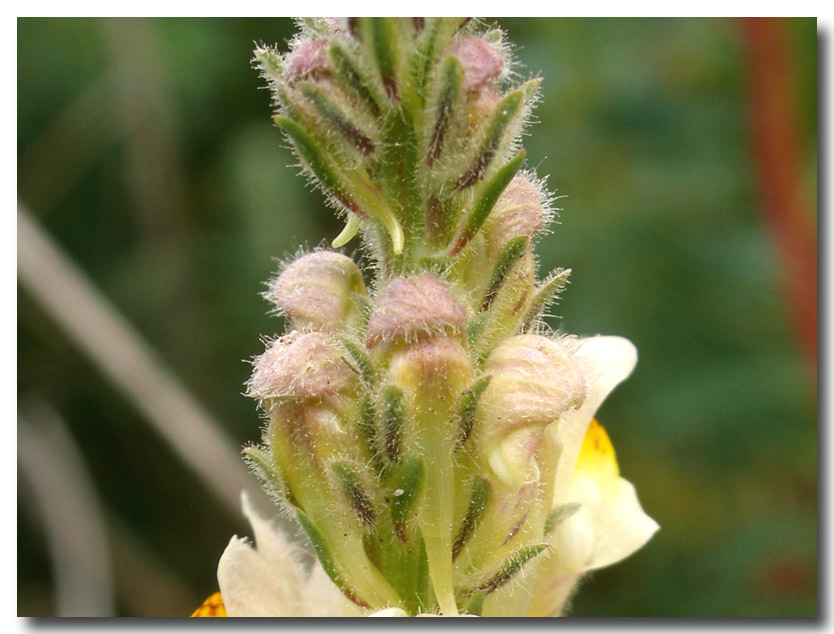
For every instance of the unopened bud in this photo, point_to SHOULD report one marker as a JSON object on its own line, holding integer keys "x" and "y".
{"x": 507, "y": 292}
{"x": 310, "y": 395}
{"x": 436, "y": 368}
{"x": 302, "y": 367}
{"x": 414, "y": 308}
{"x": 518, "y": 212}
{"x": 316, "y": 291}
{"x": 482, "y": 109}
{"x": 479, "y": 59}
{"x": 535, "y": 381}
{"x": 308, "y": 60}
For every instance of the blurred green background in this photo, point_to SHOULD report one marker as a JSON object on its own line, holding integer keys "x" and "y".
{"x": 146, "y": 151}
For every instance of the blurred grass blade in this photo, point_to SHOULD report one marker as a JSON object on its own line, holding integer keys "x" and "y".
{"x": 71, "y": 513}
{"x": 104, "y": 335}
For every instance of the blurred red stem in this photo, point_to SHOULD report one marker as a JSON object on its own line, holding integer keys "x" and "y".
{"x": 777, "y": 155}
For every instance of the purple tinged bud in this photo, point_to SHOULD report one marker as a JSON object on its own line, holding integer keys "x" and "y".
{"x": 308, "y": 60}
{"x": 311, "y": 397}
{"x": 518, "y": 212}
{"x": 302, "y": 367}
{"x": 415, "y": 308}
{"x": 535, "y": 381}
{"x": 315, "y": 291}
{"x": 479, "y": 59}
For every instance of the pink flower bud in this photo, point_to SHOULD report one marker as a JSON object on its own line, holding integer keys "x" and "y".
{"x": 315, "y": 291}
{"x": 302, "y": 367}
{"x": 413, "y": 308}
{"x": 535, "y": 381}
{"x": 518, "y": 212}
{"x": 308, "y": 60}
{"x": 479, "y": 59}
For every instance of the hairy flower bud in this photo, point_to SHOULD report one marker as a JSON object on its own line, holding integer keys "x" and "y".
{"x": 433, "y": 368}
{"x": 316, "y": 453}
{"x": 308, "y": 60}
{"x": 479, "y": 60}
{"x": 302, "y": 367}
{"x": 481, "y": 109}
{"x": 534, "y": 382}
{"x": 518, "y": 212}
{"x": 316, "y": 291}
{"x": 414, "y": 308}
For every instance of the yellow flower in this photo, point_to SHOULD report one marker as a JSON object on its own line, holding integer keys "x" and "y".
{"x": 608, "y": 524}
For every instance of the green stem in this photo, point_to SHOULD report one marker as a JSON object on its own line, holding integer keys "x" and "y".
{"x": 436, "y": 520}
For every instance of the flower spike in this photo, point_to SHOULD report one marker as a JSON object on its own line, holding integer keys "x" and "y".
{"x": 432, "y": 438}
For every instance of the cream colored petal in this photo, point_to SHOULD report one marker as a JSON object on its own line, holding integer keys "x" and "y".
{"x": 606, "y": 361}
{"x": 610, "y": 521}
{"x": 610, "y": 526}
{"x": 322, "y": 597}
{"x": 273, "y": 546}
{"x": 575, "y": 538}
{"x": 621, "y": 526}
{"x": 553, "y": 591}
{"x": 266, "y": 579}
{"x": 250, "y": 587}
{"x": 389, "y": 612}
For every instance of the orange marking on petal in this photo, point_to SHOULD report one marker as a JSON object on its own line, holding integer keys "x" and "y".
{"x": 213, "y": 606}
